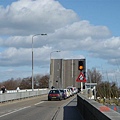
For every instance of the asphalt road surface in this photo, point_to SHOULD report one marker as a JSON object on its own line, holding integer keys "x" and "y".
{"x": 36, "y": 108}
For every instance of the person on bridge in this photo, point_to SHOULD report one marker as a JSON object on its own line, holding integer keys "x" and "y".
{"x": 3, "y": 89}
{"x": 52, "y": 87}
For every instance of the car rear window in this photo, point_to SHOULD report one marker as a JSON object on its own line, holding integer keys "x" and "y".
{"x": 62, "y": 91}
{"x": 54, "y": 91}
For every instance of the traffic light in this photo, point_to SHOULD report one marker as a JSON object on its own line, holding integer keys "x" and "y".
{"x": 81, "y": 65}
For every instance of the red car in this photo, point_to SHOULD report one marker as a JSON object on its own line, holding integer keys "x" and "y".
{"x": 54, "y": 94}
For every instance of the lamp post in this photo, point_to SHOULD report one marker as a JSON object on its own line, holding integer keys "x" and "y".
{"x": 50, "y": 67}
{"x": 53, "y": 52}
{"x": 32, "y": 59}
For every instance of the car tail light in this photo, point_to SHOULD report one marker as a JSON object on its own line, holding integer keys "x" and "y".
{"x": 50, "y": 94}
{"x": 54, "y": 95}
{"x": 57, "y": 95}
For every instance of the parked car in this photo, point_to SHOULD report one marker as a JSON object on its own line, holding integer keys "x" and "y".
{"x": 75, "y": 90}
{"x": 54, "y": 94}
{"x": 71, "y": 91}
{"x": 64, "y": 93}
{"x": 67, "y": 92}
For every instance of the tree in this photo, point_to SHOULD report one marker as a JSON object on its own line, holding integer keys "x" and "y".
{"x": 26, "y": 83}
{"x": 39, "y": 82}
{"x": 43, "y": 82}
{"x": 114, "y": 90}
{"x": 11, "y": 84}
{"x": 104, "y": 88}
{"x": 94, "y": 76}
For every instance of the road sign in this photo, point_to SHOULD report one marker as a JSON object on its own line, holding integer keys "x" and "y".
{"x": 81, "y": 78}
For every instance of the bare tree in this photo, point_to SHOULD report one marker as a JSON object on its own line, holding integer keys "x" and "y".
{"x": 26, "y": 83}
{"x": 11, "y": 84}
{"x": 43, "y": 82}
{"x": 94, "y": 76}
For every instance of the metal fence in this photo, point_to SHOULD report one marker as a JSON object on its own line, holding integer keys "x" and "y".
{"x": 21, "y": 94}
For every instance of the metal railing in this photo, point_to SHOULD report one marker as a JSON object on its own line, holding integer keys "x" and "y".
{"x": 21, "y": 94}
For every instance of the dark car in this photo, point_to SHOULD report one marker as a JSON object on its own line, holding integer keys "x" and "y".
{"x": 54, "y": 94}
{"x": 64, "y": 94}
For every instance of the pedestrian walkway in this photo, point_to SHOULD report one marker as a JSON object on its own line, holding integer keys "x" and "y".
{"x": 70, "y": 111}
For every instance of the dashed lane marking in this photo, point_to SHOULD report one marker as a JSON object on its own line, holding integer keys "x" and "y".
{"x": 39, "y": 103}
{"x": 14, "y": 111}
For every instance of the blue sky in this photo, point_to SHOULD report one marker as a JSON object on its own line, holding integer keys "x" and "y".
{"x": 78, "y": 28}
{"x": 98, "y": 12}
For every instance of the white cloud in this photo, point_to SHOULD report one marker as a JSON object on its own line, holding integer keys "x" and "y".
{"x": 26, "y": 17}
{"x": 108, "y": 49}
{"x": 83, "y": 29}
{"x": 65, "y": 32}
{"x": 23, "y": 56}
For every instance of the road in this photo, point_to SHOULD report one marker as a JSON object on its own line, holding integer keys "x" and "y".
{"x": 36, "y": 108}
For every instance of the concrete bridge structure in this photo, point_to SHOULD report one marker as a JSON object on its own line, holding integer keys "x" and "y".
{"x": 92, "y": 110}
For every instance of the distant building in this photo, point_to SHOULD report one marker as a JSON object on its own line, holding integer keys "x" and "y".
{"x": 64, "y": 72}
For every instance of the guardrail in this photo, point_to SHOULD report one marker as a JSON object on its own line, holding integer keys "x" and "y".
{"x": 21, "y": 94}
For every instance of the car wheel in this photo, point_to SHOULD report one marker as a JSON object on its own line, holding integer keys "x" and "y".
{"x": 59, "y": 99}
{"x": 49, "y": 99}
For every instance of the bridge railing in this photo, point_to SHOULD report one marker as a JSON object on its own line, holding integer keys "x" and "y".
{"x": 21, "y": 94}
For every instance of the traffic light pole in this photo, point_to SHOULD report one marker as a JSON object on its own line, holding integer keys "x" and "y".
{"x": 82, "y": 68}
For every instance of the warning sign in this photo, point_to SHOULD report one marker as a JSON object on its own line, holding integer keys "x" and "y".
{"x": 81, "y": 78}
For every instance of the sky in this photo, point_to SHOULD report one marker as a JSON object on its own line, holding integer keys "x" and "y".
{"x": 87, "y": 29}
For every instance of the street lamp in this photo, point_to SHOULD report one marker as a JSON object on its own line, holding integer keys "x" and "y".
{"x": 50, "y": 66}
{"x": 53, "y": 52}
{"x": 32, "y": 59}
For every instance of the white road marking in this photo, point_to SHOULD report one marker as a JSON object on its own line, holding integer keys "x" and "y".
{"x": 39, "y": 103}
{"x": 14, "y": 111}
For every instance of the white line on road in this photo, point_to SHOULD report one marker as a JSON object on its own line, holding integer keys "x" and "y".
{"x": 14, "y": 111}
{"x": 39, "y": 103}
